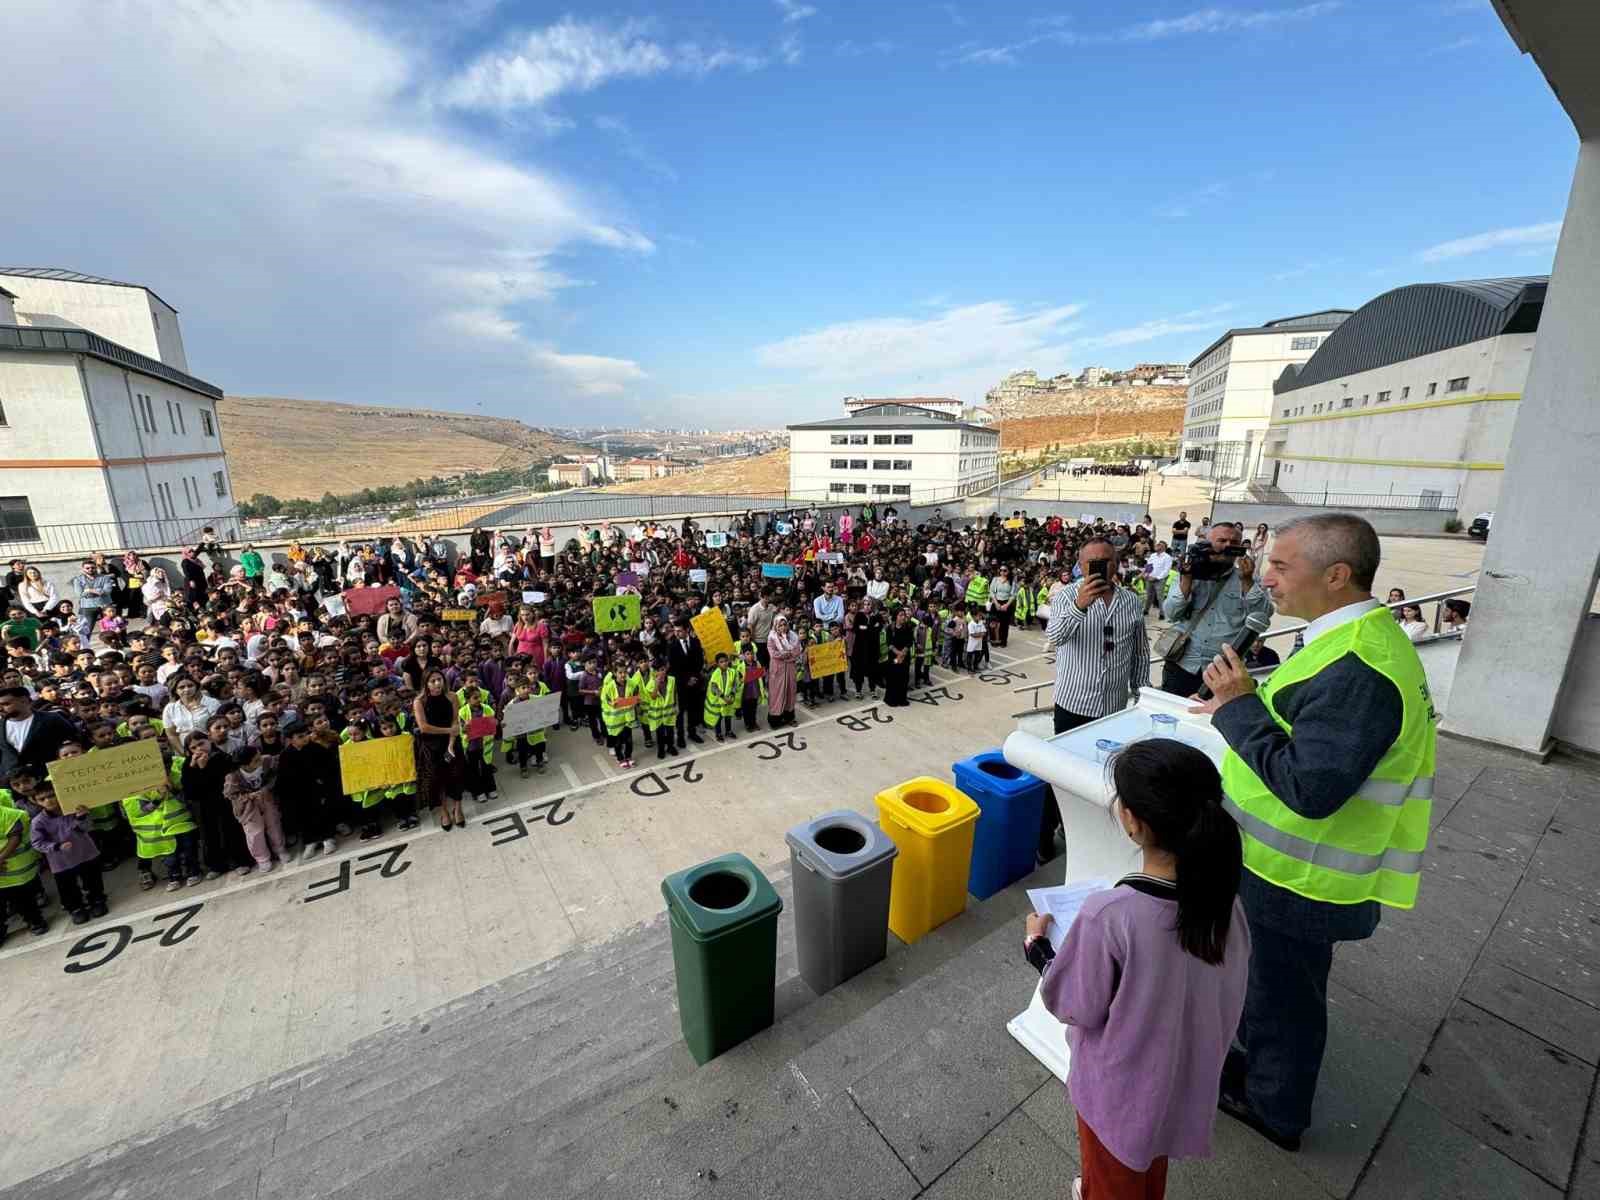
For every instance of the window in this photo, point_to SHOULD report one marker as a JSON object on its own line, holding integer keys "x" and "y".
{"x": 16, "y": 520}
{"x": 880, "y": 489}
{"x": 883, "y": 439}
{"x": 182, "y": 428}
{"x": 1383, "y": 397}
{"x": 839, "y": 439}
{"x": 220, "y": 482}
{"x": 902, "y": 439}
{"x": 1350, "y": 402}
{"x": 858, "y": 489}
{"x": 1432, "y": 388}
{"x": 1303, "y": 343}
{"x": 902, "y": 464}
{"x": 902, "y": 489}
{"x": 164, "y": 495}
{"x": 1459, "y": 384}
{"x": 1404, "y": 392}
{"x": 839, "y": 464}
{"x": 1286, "y": 412}
{"x": 838, "y": 487}
{"x": 858, "y": 464}
{"x": 156, "y": 317}
{"x": 171, "y": 420}
{"x": 187, "y": 499}
{"x": 858, "y": 439}
{"x": 2, "y": 414}
{"x": 880, "y": 464}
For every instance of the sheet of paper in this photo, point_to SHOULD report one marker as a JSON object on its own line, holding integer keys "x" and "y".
{"x": 1063, "y": 904}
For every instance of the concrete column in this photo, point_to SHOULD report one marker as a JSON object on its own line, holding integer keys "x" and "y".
{"x": 1534, "y": 591}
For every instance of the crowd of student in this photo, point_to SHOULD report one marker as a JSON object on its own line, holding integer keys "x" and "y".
{"x": 249, "y": 675}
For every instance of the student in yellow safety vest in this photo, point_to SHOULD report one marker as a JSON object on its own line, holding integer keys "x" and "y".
{"x": 400, "y": 797}
{"x": 163, "y": 828}
{"x": 19, "y": 872}
{"x": 724, "y": 685}
{"x": 660, "y": 704}
{"x": 618, "y": 718}
{"x": 367, "y": 802}
{"x": 477, "y": 753}
{"x": 530, "y": 745}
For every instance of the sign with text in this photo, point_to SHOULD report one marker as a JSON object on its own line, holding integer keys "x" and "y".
{"x": 616, "y": 614}
{"x": 495, "y": 601}
{"x": 530, "y": 716}
{"x": 107, "y": 776}
{"x": 697, "y": 575}
{"x": 460, "y": 614}
{"x": 826, "y": 659}
{"x": 712, "y": 630}
{"x": 716, "y": 541}
{"x": 777, "y": 570}
{"x": 1014, "y": 523}
{"x": 365, "y": 602}
{"x": 376, "y": 763}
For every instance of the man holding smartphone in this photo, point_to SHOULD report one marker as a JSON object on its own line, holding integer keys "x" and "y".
{"x": 1217, "y": 591}
{"x": 1102, "y": 653}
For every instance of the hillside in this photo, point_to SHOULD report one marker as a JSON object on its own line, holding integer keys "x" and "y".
{"x": 762, "y": 475}
{"x": 1031, "y": 433}
{"x": 305, "y": 448}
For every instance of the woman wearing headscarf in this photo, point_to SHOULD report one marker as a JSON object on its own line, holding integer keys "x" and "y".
{"x": 156, "y": 594}
{"x": 194, "y": 579}
{"x": 783, "y": 648}
{"x": 480, "y": 551}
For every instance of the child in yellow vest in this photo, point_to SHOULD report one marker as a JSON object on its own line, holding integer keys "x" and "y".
{"x": 723, "y": 686}
{"x": 401, "y": 797}
{"x": 19, "y": 872}
{"x": 477, "y": 753}
{"x": 366, "y": 804}
{"x": 532, "y": 744}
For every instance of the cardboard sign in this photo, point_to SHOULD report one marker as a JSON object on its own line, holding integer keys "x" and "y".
{"x": 625, "y": 702}
{"x": 530, "y": 716}
{"x": 497, "y": 600}
{"x": 835, "y": 557}
{"x": 826, "y": 659}
{"x": 375, "y": 763}
{"x": 697, "y": 575}
{"x": 366, "y": 602}
{"x": 777, "y": 570}
{"x": 716, "y": 541}
{"x": 712, "y": 630}
{"x": 481, "y": 727}
{"x": 1013, "y": 523}
{"x": 107, "y": 776}
{"x": 626, "y": 579}
{"x": 459, "y": 614}
{"x": 616, "y": 614}
{"x": 641, "y": 569}
{"x": 334, "y": 605}
{"x": 784, "y": 528}
{"x": 931, "y": 558}
{"x": 530, "y": 597}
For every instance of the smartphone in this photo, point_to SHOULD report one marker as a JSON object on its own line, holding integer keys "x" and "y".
{"x": 1101, "y": 569}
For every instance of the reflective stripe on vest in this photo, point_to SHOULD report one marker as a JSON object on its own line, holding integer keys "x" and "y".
{"x": 23, "y": 866}
{"x": 149, "y": 828}
{"x": 1371, "y": 848}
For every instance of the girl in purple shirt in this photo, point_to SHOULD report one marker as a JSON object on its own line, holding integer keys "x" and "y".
{"x": 1150, "y": 980}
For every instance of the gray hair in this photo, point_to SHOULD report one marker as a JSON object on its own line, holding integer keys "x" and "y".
{"x": 1339, "y": 538}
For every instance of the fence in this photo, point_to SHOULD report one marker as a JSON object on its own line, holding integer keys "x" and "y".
{"x": 1326, "y": 498}
{"x": 19, "y": 539}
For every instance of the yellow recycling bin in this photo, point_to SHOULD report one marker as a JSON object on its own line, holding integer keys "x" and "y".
{"x": 932, "y": 824}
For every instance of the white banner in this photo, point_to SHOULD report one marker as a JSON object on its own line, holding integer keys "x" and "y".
{"x": 530, "y": 716}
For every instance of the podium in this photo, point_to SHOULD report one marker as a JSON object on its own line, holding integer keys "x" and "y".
{"x": 1097, "y": 848}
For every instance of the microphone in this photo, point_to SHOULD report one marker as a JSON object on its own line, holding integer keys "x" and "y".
{"x": 1254, "y": 626}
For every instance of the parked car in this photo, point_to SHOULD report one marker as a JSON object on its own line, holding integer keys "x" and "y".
{"x": 1480, "y": 526}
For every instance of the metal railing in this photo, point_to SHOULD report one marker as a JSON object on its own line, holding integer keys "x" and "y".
{"x": 1259, "y": 493}
{"x": 20, "y": 540}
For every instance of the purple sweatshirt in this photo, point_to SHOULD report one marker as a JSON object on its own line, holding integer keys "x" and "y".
{"x": 51, "y": 829}
{"x": 1148, "y": 1023}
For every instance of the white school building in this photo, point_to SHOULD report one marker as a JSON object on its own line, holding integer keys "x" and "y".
{"x": 889, "y": 452}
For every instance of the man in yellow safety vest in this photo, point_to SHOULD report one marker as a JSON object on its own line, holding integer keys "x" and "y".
{"x": 1329, "y": 774}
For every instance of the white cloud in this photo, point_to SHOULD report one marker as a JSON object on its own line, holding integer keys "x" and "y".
{"x": 590, "y": 374}
{"x": 537, "y": 65}
{"x": 790, "y": 48}
{"x": 1204, "y": 21}
{"x": 1196, "y": 321}
{"x": 1522, "y": 235}
{"x": 345, "y": 242}
{"x": 794, "y": 11}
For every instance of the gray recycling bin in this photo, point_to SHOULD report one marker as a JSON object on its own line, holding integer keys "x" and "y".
{"x": 842, "y": 865}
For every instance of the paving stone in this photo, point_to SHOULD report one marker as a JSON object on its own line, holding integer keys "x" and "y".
{"x": 1586, "y": 1168}
{"x": 1015, "y": 1162}
{"x": 1490, "y": 862}
{"x": 1424, "y": 1156}
{"x": 1411, "y": 965}
{"x": 1506, "y": 1088}
{"x": 1566, "y": 860}
{"x": 1537, "y": 1008}
{"x": 1481, "y": 811}
{"x": 1577, "y": 976}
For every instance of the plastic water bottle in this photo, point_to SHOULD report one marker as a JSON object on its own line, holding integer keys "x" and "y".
{"x": 1164, "y": 725}
{"x": 1104, "y": 748}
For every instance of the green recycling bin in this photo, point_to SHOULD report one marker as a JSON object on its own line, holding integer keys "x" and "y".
{"x": 724, "y": 917}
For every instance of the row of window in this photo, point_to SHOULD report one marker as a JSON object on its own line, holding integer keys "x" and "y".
{"x": 878, "y": 464}
{"x": 1221, "y": 352}
{"x": 1210, "y": 406}
{"x": 145, "y": 416}
{"x": 878, "y": 439}
{"x": 877, "y": 489}
{"x": 1204, "y": 431}
{"x": 1206, "y": 385}
{"x": 1304, "y": 343}
{"x": 1458, "y": 384}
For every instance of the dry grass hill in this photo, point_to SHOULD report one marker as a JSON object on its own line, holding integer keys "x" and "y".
{"x": 1082, "y": 416}
{"x": 305, "y": 448}
{"x": 762, "y": 475}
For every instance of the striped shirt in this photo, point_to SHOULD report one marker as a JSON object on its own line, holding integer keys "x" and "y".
{"x": 1091, "y": 680}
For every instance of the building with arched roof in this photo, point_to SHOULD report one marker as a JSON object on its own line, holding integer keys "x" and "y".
{"x": 1414, "y": 395}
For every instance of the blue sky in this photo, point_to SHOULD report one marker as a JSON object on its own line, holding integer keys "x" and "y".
{"x": 735, "y": 214}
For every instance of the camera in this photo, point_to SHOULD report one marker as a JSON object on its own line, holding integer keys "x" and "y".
{"x": 1204, "y": 562}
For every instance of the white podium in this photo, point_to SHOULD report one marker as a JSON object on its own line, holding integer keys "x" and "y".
{"x": 1097, "y": 848}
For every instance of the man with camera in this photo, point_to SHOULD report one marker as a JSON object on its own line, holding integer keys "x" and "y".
{"x": 1217, "y": 591}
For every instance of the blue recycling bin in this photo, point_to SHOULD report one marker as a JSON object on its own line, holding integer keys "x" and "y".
{"x": 1010, "y": 803}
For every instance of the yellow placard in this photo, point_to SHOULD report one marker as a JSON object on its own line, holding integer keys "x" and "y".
{"x": 375, "y": 763}
{"x": 1014, "y": 523}
{"x": 616, "y": 614}
{"x": 460, "y": 614}
{"x": 107, "y": 776}
{"x": 712, "y": 630}
{"x": 826, "y": 659}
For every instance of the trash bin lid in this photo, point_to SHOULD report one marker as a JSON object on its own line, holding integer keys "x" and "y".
{"x": 719, "y": 896}
{"x": 840, "y": 844}
{"x": 990, "y": 772}
{"x": 928, "y": 805}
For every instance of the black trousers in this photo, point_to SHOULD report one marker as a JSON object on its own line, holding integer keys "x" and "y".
{"x": 1284, "y": 1027}
{"x": 1178, "y": 682}
{"x": 80, "y": 886}
{"x": 1002, "y": 620}
{"x": 1050, "y": 816}
{"x": 896, "y": 681}
{"x": 691, "y": 710}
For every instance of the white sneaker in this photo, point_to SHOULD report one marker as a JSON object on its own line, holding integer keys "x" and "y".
{"x": 311, "y": 851}
{"x": 269, "y": 866}
{"x": 493, "y": 795}
{"x": 329, "y": 846}
{"x": 1077, "y": 1188}
{"x": 241, "y": 872}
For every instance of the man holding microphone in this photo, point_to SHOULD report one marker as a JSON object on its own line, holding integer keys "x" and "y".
{"x": 1217, "y": 592}
{"x": 1329, "y": 774}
